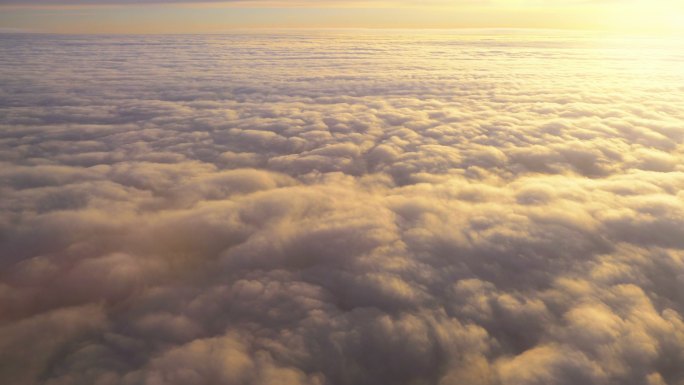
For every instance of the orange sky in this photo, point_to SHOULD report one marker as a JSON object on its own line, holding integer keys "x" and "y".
{"x": 159, "y": 16}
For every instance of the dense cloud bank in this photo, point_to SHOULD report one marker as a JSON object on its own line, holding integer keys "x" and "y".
{"x": 342, "y": 209}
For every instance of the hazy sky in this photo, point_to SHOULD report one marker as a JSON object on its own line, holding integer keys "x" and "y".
{"x": 178, "y": 16}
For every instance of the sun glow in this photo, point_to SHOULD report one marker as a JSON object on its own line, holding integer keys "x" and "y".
{"x": 638, "y": 16}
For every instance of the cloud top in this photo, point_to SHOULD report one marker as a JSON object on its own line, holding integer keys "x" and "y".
{"x": 341, "y": 208}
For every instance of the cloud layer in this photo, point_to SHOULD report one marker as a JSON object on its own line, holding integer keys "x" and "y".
{"x": 362, "y": 208}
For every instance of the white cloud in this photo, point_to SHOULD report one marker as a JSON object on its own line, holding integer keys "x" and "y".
{"x": 340, "y": 209}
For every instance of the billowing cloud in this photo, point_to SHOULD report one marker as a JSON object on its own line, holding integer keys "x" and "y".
{"x": 347, "y": 208}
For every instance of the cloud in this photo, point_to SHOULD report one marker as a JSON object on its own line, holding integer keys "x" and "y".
{"x": 359, "y": 208}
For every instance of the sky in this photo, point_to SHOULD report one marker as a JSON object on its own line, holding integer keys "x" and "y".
{"x": 342, "y": 207}
{"x": 163, "y": 16}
